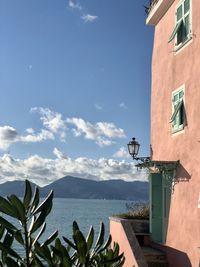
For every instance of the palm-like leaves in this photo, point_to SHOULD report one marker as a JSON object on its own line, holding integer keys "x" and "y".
{"x": 85, "y": 253}
{"x": 31, "y": 217}
{"x": 79, "y": 252}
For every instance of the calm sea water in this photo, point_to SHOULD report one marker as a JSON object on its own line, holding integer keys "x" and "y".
{"x": 86, "y": 212}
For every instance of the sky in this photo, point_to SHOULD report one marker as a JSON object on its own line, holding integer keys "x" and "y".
{"x": 75, "y": 84}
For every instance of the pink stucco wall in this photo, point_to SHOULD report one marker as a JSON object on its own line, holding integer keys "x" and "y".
{"x": 118, "y": 235}
{"x": 170, "y": 70}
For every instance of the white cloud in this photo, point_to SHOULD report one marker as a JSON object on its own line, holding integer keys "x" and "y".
{"x": 8, "y": 135}
{"x": 122, "y": 153}
{"x": 30, "y": 130}
{"x": 89, "y": 18}
{"x": 75, "y": 5}
{"x": 98, "y": 106}
{"x": 51, "y": 120}
{"x": 110, "y": 130}
{"x": 101, "y": 132}
{"x": 44, "y": 170}
{"x": 123, "y": 105}
{"x": 101, "y": 141}
{"x": 39, "y": 137}
{"x": 59, "y": 154}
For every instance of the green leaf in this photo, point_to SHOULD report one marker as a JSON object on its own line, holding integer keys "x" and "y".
{"x": 100, "y": 238}
{"x": 38, "y": 222}
{"x": 18, "y": 205}
{"x": 46, "y": 205}
{"x": 75, "y": 227}
{"x": 39, "y": 263}
{"x": 33, "y": 219}
{"x": 9, "y": 251}
{"x": 56, "y": 252}
{"x": 44, "y": 252}
{"x": 106, "y": 245}
{"x": 90, "y": 238}
{"x": 81, "y": 246}
{"x": 19, "y": 238}
{"x": 66, "y": 262}
{"x": 120, "y": 263}
{"x": 57, "y": 243}
{"x": 115, "y": 260}
{"x": 27, "y": 194}
{"x": 6, "y": 207}
{"x": 8, "y": 240}
{"x": 7, "y": 224}
{"x": 2, "y": 230}
{"x": 11, "y": 263}
{"x": 51, "y": 238}
{"x": 109, "y": 254}
{"x": 36, "y": 199}
{"x": 116, "y": 249}
{"x": 40, "y": 233}
{"x": 69, "y": 243}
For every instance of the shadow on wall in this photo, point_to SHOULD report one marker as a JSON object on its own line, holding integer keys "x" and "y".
{"x": 177, "y": 258}
{"x": 182, "y": 174}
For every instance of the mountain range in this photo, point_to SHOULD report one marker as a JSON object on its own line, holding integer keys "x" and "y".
{"x": 73, "y": 187}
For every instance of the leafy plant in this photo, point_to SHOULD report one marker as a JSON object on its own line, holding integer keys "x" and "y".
{"x": 31, "y": 215}
{"x": 81, "y": 251}
{"x": 136, "y": 210}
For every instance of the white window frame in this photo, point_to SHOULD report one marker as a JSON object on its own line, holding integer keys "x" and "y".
{"x": 179, "y": 127}
{"x": 174, "y": 33}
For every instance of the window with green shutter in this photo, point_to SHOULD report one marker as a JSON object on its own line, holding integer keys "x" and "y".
{"x": 182, "y": 31}
{"x": 178, "y": 110}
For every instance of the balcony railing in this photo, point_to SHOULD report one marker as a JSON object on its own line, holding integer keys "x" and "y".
{"x": 156, "y": 9}
{"x": 151, "y": 5}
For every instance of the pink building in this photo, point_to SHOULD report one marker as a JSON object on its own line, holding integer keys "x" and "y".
{"x": 175, "y": 134}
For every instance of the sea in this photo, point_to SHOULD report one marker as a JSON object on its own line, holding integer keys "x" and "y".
{"x": 85, "y": 212}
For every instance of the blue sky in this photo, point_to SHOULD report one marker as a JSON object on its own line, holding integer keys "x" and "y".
{"x": 75, "y": 79}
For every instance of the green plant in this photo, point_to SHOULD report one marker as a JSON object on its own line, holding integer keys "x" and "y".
{"x": 81, "y": 251}
{"x": 31, "y": 215}
{"x": 136, "y": 210}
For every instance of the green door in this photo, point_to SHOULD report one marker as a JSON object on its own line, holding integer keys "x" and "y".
{"x": 167, "y": 185}
{"x": 156, "y": 207}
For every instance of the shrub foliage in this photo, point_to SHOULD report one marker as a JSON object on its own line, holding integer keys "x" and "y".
{"x": 136, "y": 210}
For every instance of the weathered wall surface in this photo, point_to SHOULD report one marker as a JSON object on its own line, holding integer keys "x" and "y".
{"x": 170, "y": 70}
{"x": 118, "y": 235}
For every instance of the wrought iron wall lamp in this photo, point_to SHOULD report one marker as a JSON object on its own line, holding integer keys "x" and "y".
{"x": 167, "y": 168}
{"x": 133, "y": 148}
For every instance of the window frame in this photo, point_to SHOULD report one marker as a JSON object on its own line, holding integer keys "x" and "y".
{"x": 178, "y": 126}
{"x": 174, "y": 34}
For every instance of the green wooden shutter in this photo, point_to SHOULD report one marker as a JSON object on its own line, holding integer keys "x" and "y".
{"x": 176, "y": 110}
{"x": 156, "y": 207}
{"x": 175, "y": 31}
{"x": 178, "y": 115}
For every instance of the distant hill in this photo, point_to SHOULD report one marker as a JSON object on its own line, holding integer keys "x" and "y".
{"x": 73, "y": 187}
{"x": 15, "y": 187}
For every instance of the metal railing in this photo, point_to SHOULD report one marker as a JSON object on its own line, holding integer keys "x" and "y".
{"x": 152, "y": 4}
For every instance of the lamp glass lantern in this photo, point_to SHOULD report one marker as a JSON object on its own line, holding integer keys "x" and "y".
{"x": 133, "y": 147}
